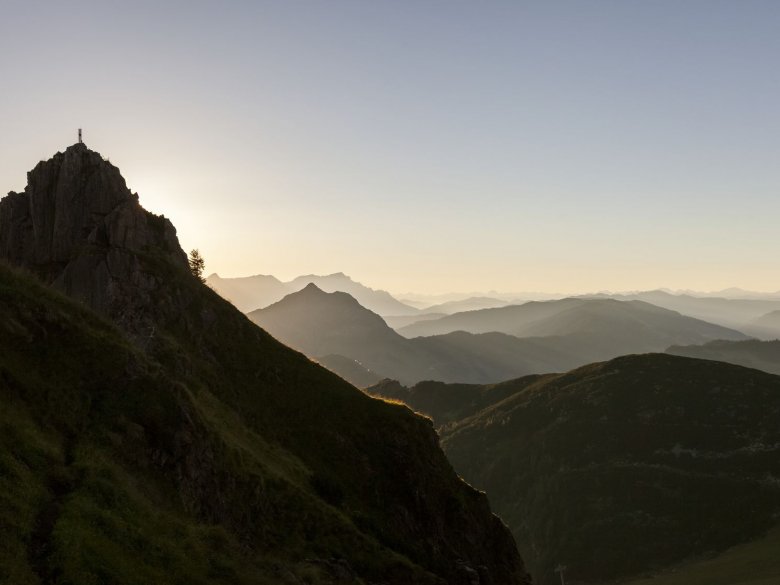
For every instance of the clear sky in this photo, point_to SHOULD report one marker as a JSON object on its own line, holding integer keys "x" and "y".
{"x": 423, "y": 145}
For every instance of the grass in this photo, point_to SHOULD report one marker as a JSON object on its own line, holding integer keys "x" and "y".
{"x": 754, "y": 563}
{"x": 214, "y": 455}
{"x": 626, "y": 467}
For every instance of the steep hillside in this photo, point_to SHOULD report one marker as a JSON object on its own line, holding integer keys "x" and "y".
{"x": 177, "y": 442}
{"x": 351, "y": 370}
{"x": 752, "y": 563}
{"x": 625, "y": 467}
{"x": 591, "y": 329}
{"x": 761, "y": 355}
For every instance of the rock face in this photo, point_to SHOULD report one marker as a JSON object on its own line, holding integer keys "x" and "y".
{"x": 79, "y": 228}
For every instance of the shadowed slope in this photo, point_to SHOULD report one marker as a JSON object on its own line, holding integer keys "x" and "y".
{"x": 627, "y": 466}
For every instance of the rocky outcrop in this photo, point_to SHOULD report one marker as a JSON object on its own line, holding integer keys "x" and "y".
{"x": 79, "y": 228}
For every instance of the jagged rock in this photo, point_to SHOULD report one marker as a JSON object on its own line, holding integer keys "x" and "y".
{"x": 79, "y": 228}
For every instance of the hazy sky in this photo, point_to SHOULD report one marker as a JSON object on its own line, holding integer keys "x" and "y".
{"x": 423, "y": 145}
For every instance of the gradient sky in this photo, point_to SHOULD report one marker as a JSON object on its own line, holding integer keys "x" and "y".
{"x": 425, "y": 145}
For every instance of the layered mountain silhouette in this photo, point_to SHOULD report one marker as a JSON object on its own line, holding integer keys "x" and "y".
{"x": 152, "y": 434}
{"x": 404, "y": 320}
{"x": 617, "y": 468}
{"x": 592, "y": 329}
{"x": 323, "y": 325}
{"x": 737, "y": 313}
{"x": 469, "y": 304}
{"x": 567, "y": 333}
{"x": 761, "y": 355}
{"x": 250, "y": 292}
{"x": 766, "y": 326}
{"x": 256, "y": 292}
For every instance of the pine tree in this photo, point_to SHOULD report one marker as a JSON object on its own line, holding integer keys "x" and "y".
{"x": 197, "y": 264}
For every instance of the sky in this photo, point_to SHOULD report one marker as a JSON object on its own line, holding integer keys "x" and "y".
{"x": 428, "y": 145}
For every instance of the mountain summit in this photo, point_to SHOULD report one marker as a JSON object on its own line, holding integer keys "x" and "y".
{"x": 79, "y": 228}
{"x": 150, "y": 433}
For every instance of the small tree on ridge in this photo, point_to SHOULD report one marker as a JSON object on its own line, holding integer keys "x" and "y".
{"x": 197, "y": 264}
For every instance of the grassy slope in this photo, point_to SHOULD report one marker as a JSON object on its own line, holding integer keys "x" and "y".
{"x": 117, "y": 468}
{"x": 450, "y": 403}
{"x": 81, "y": 503}
{"x": 414, "y": 503}
{"x": 754, "y": 563}
{"x": 595, "y": 468}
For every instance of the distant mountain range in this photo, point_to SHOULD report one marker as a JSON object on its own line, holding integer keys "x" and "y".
{"x": 329, "y": 327}
{"x": 766, "y": 326}
{"x": 469, "y": 304}
{"x": 404, "y": 320}
{"x": 335, "y": 330}
{"x": 761, "y": 355}
{"x": 729, "y": 293}
{"x": 730, "y": 312}
{"x": 250, "y": 292}
{"x": 593, "y": 329}
{"x": 326, "y": 324}
{"x": 256, "y": 292}
{"x": 619, "y": 468}
{"x": 732, "y": 308}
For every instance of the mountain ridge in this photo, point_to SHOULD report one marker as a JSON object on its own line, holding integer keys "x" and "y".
{"x": 617, "y": 469}
{"x": 320, "y": 324}
{"x": 752, "y": 353}
{"x": 606, "y": 328}
{"x": 260, "y": 291}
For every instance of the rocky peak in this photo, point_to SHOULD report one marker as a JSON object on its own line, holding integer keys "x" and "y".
{"x": 79, "y": 228}
{"x": 312, "y": 288}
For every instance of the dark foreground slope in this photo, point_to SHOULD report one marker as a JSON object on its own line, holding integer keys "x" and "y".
{"x": 171, "y": 440}
{"x": 619, "y": 468}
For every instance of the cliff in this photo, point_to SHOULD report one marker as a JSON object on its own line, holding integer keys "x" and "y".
{"x": 79, "y": 228}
